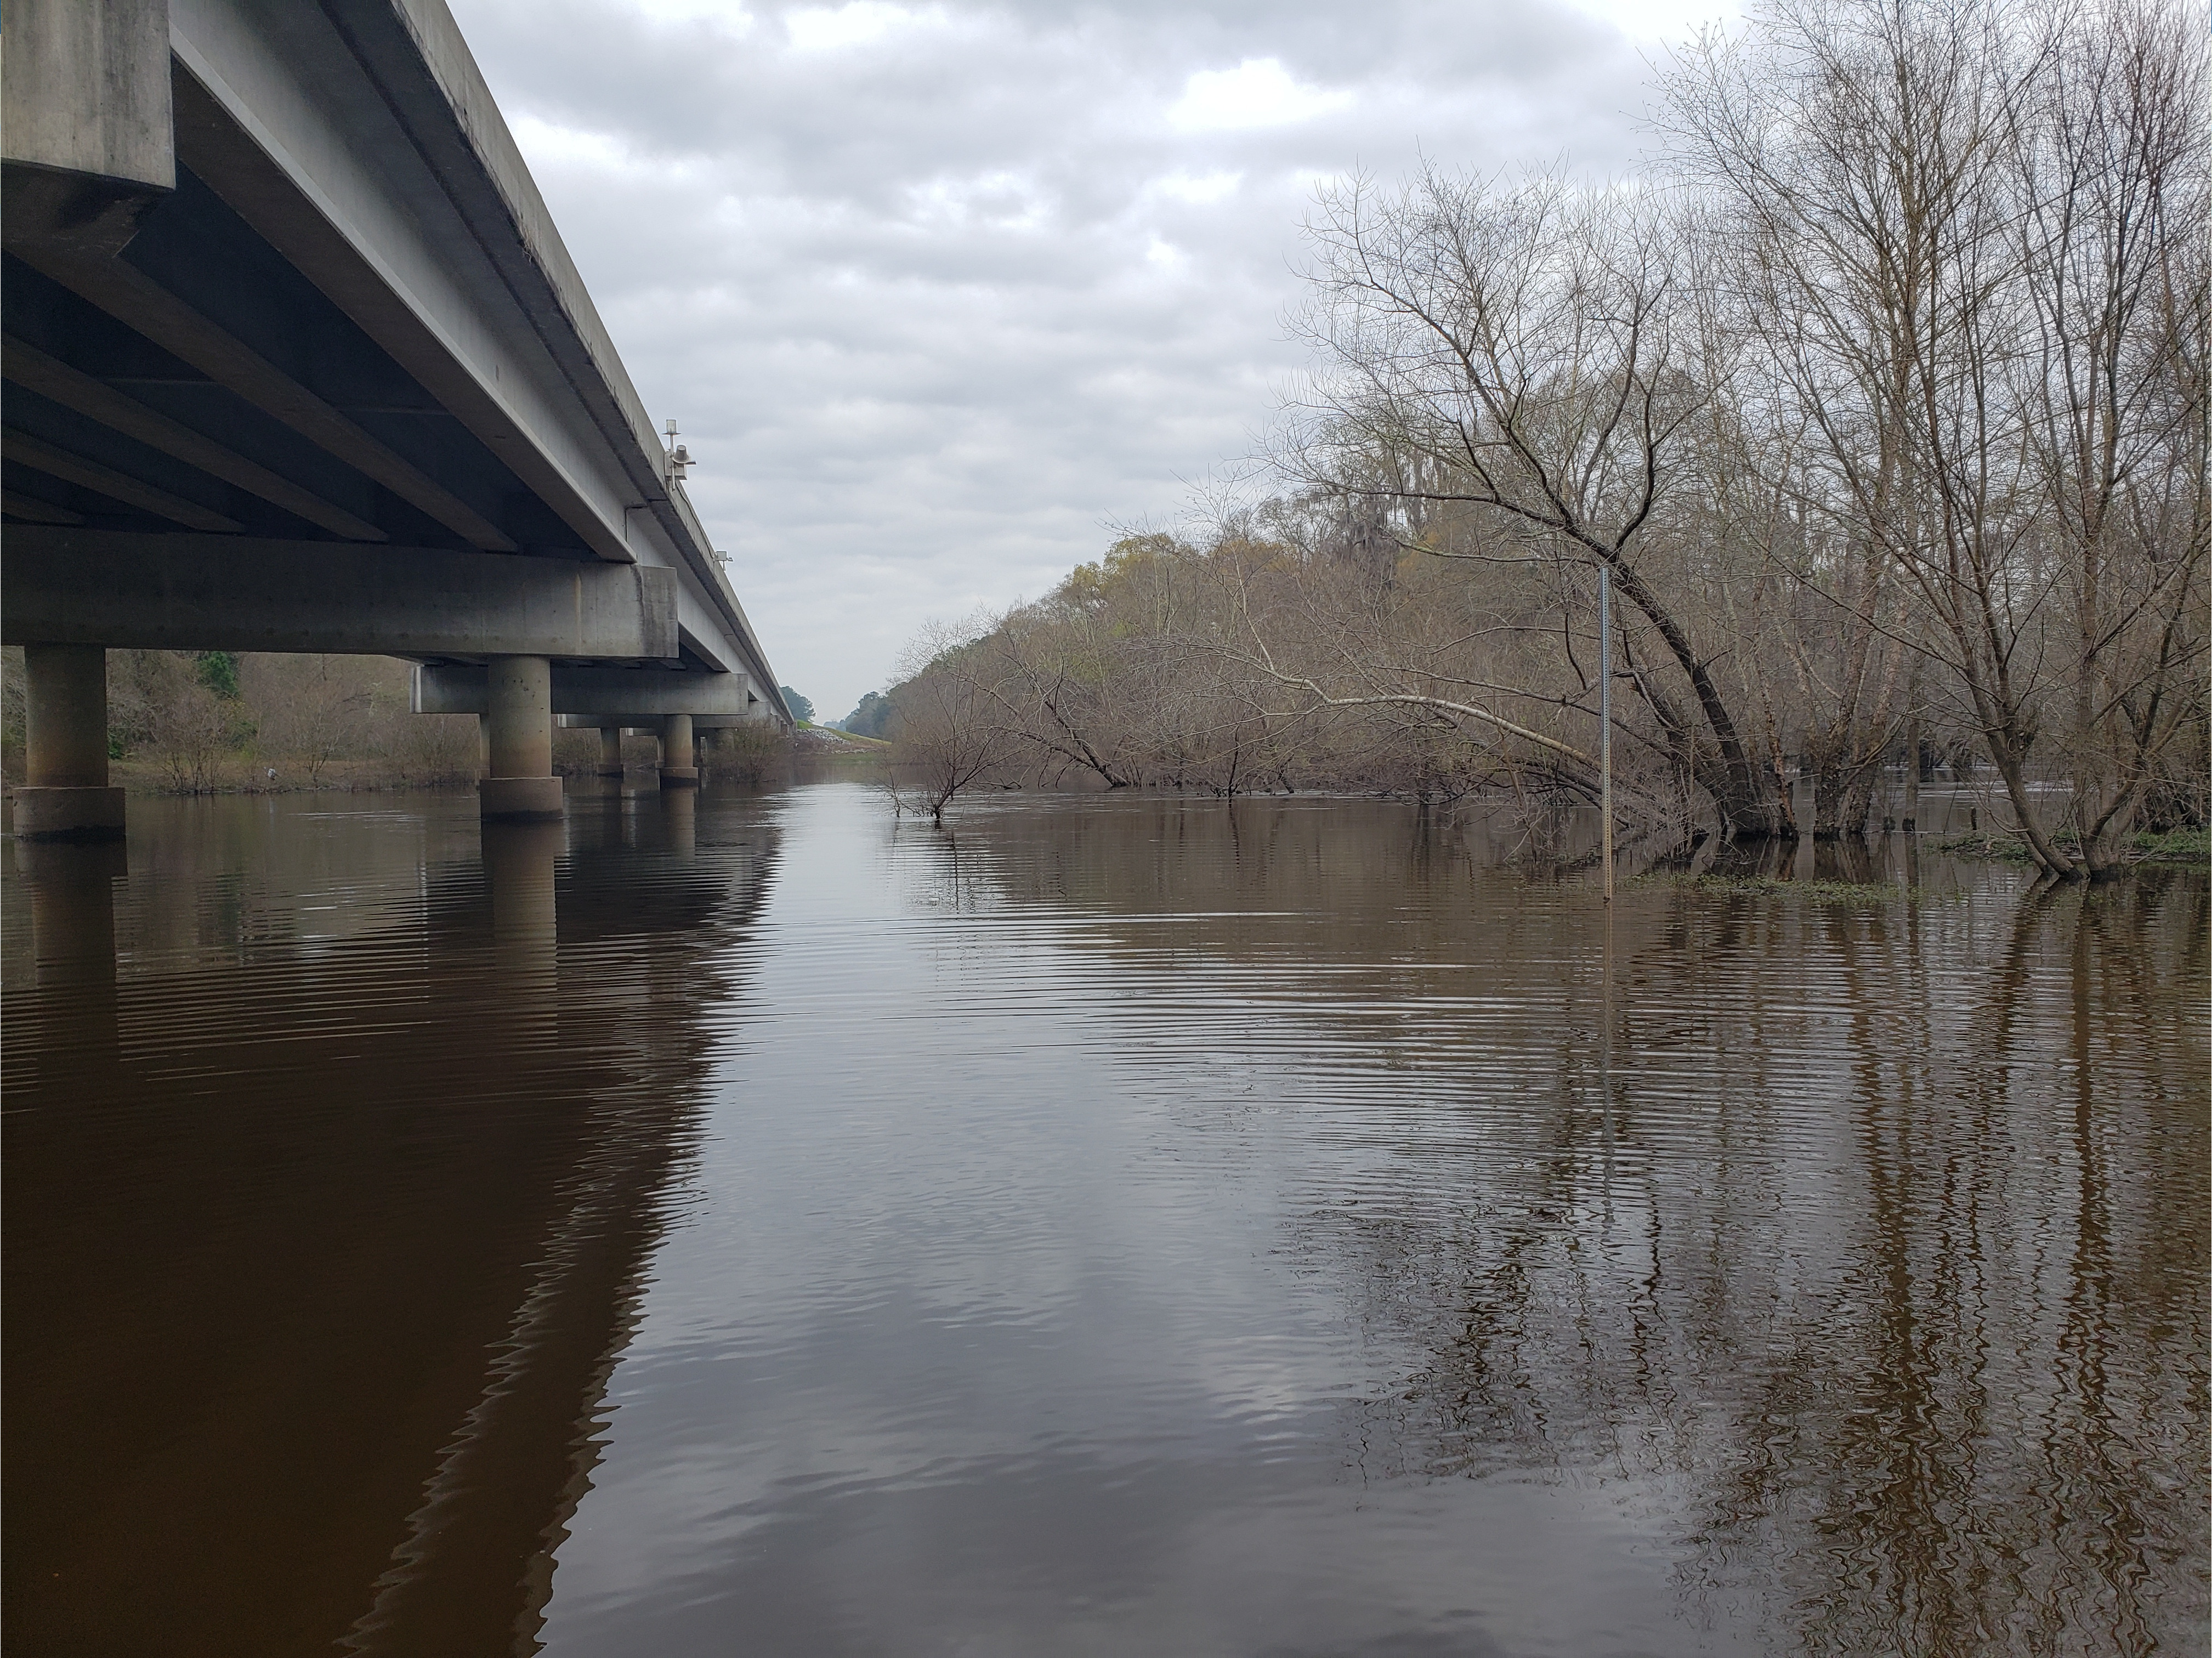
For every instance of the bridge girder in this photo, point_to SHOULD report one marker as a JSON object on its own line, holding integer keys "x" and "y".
{"x": 82, "y": 587}
{"x": 610, "y": 695}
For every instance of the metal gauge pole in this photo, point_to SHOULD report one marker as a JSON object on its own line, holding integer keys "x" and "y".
{"x": 1605, "y": 716}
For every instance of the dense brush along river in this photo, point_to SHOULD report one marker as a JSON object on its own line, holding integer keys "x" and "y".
{"x": 753, "y": 1223}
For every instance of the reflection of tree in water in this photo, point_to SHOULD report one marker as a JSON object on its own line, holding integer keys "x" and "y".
{"x": 1881, "y": 1276}
{"x": 1936, "y": 1389}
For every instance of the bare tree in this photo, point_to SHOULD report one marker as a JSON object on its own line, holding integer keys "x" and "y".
{"x": 160, "y": 707}
{"x": 1886, "y": 409}
{"x": 948, "y": 731}
{"x": 1061, "y": 671}
{"x": 310, "y": 710}
{"x": 2111, "y": 150}
{"x": 1962, "y": 232}
{"x": 1514, "y": 350}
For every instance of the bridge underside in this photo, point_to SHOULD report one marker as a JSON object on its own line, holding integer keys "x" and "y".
{"x": 294, "y": 360}
{"x": 194, "y": 389}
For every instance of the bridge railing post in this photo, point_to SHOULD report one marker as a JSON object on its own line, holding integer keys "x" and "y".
{"x": 66, "y": 796}
{"x": 521, "y": 786}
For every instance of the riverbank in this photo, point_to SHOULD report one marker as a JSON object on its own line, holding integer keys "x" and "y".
{"x": 2183, "y": 845}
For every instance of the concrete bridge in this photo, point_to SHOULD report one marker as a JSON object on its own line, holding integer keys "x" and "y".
{"x": 296, "y": 360}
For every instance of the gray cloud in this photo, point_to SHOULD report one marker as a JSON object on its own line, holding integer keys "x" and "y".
{"x": 937, "y": 290}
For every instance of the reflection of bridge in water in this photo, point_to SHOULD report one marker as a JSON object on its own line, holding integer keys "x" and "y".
{"x": 324, "y": 1229}
{"x": 296, "y": 360}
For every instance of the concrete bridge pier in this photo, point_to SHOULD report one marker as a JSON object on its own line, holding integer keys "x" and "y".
{"x": 679, "y": 768}
{"x": 521, "y": 786}
{"x": 66, "y": 795}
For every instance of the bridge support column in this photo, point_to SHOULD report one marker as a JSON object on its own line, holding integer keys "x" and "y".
{"x": 521, "y": 787}
{"x": 605, "y": 780}
{"x": 66, "y": 796}
{"x": 679, "y": 768}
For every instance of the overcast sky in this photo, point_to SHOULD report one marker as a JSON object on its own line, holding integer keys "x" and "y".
{"x": 939, "y": 293}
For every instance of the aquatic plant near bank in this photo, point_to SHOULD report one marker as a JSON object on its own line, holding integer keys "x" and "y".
{"x": 2180, "y": 846}
{"x": 1770, "y": 886}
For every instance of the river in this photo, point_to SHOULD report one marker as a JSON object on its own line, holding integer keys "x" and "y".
{"x": 1120, "y": 1226}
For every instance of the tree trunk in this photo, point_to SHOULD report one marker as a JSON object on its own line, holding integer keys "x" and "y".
{"x": 1739, "y": 788}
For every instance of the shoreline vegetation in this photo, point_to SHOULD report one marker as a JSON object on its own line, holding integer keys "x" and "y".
{"x": 218, "y": 722}
{"x": 2180, "y": 846}
{"x": 1819, "y": 892}
{"x": 1881, "y": 394}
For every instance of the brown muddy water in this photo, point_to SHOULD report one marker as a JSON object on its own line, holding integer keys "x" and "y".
{"x": 753, "y": 1225}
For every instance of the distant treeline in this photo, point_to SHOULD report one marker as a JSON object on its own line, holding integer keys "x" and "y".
{"x": 1882, "y": 395}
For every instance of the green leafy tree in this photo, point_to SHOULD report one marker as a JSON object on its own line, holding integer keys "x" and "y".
{"x": 870, "y": 717}
{"x": 218, "y": 671}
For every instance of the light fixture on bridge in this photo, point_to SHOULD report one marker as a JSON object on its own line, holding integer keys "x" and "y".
{"x": 679, "y": 457}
